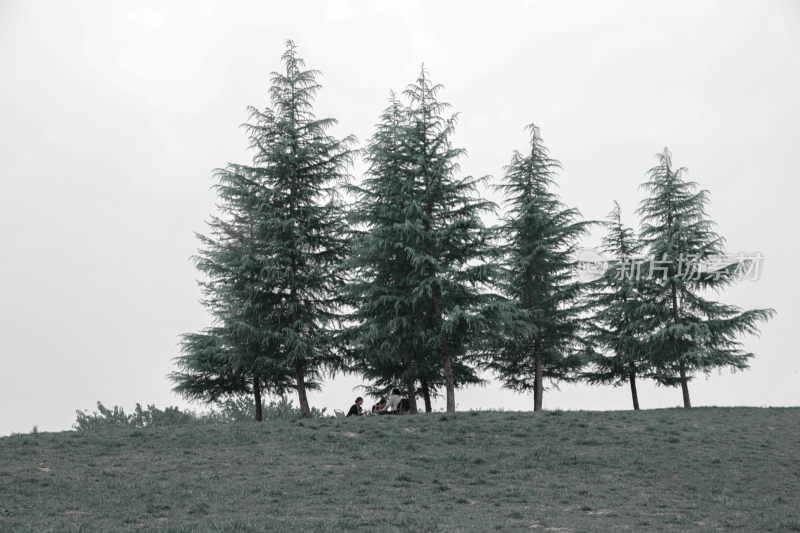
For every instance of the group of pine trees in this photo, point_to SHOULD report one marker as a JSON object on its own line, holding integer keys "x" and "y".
{"x": 398, "y": 279}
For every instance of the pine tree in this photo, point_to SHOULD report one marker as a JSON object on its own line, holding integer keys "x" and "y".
{"x": 419, "y": 259}
{"x": 300, "y": 166}
{"x": 234, "y": 356}
{"x": 688, "y": 333}
{"x": 614, "y": 328}
{"x": 541, "y": 236}
{"x": 276, "y": 263}
{"x": 450, "y": 258}
{"x": 386, "y": 347}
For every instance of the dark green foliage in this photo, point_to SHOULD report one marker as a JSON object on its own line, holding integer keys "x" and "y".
{"x": 274, "y": 262}
{"x": 686, "y": 332}
{"x": 205, "y": 368}
{"x": 385, "y": 341}
{"x": 540, "y": 242}
{"x": 618, "y": 354}
{"x": 419, "y": 260}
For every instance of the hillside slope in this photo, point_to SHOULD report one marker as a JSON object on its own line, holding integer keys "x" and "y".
{"x": 706, "y": 469}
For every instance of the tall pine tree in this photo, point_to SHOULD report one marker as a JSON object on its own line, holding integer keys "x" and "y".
{"x": 420, "y": 257}
{"x": 688, "y": 333}
{"x": 386, "y": 347}
{"x": 614, "y": 331}
{"x": 235, "y": 356}
{"x": 452, "y": 245}
{"x": 288, "y": 232}
{"x": 541, "y": 236}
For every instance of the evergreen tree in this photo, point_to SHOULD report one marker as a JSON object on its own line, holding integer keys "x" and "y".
{"x": 452, "y": 244}
{"x": 688, "y": 333}
{"x": 419, "y": 258}
{"x": 275, "y": 265}
{"x": 386, "y": 347}
{"x": 235, "y": 356}
{"x": 541, "y": 236}
{"x": 614, "y": 328}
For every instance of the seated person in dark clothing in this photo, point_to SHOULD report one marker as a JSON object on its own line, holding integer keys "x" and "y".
{"x": 404, "y": 406}
{"x": 356, "y": 409}
{"x": 380, "y": 407}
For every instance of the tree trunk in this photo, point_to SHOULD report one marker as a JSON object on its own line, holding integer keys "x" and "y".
{"x": 632, "y": 379}
{"x": 537, "y": 380}
{"x": 685, "y": 386}
{"x": 426, "y": 395}
{"x": 412, "y": 397}
{"x": 448, "y": 380}
{"x": 257, "y": 398}
{"x": 301, "y": 389}
{"x": 449, "y": 384}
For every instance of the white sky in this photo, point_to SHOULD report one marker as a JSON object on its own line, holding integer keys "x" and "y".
{"x": 114, "y": 114}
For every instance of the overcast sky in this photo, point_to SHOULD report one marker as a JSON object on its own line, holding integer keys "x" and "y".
{"x": 114, "y": 114}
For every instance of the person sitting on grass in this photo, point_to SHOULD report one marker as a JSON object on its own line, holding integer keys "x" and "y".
{"x": 380, "y": 407}
{"x": 356, "y": 409}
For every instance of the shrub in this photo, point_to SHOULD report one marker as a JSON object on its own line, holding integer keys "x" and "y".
{"x": 230, "y": 410}
{"x": 105, "y": 418}
{"x": 152, "y": 416}
{"x": 244, "y": 409}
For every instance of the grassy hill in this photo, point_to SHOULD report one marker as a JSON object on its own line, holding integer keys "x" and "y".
{"x": 706, "y": 469}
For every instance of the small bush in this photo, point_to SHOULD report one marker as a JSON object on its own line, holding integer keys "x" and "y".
{"x": 105, "y": 418}
{"x": 233, "y": 410}
{"x": 150, "y": 417}
{"x": 244, "y": 409}
{"x": 101, "y": 419}
{"x": 230, "y": 410}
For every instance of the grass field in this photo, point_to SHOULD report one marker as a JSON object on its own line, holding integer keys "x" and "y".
{"x": 705, "y": 469}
